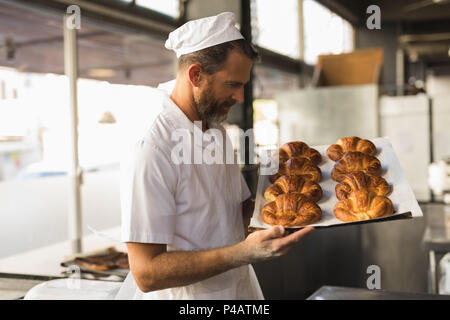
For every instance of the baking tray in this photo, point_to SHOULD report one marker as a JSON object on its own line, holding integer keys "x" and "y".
{"x": 402, "y": 196}
{"x": 122, "y": 273}
{"x": 70, "y": 261}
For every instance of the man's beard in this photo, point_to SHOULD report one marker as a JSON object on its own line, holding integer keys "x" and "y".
{"x": 210, "y": 110}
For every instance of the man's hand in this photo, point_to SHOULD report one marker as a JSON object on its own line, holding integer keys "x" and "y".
{"x": 266, "y": 244}
{"x": 154, "y": 268}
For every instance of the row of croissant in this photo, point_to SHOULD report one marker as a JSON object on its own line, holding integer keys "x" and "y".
{"x": 293, "y": 195}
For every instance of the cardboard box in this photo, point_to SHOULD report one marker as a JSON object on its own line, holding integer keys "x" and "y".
{"x": 354, "y": 68}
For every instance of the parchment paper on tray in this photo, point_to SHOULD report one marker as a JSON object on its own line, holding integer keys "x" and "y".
{"x": 402, "y": 196}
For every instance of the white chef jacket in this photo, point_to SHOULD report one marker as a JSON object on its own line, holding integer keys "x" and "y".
{"x": 186, "y": 206}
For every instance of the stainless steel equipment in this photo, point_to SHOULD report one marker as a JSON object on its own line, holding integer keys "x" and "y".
{"x": 342, "y": 293}
{"x": 439, "y": 179}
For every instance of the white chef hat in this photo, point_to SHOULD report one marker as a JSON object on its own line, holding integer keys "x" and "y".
{"x": 203, "y": 33}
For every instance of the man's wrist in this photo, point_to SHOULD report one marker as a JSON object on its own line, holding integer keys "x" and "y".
{"x": 239, "y": 254}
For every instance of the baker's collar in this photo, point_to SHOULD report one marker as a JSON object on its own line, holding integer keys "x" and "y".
{"x": 167, "y": 86}
{"x": 180, "y": 120}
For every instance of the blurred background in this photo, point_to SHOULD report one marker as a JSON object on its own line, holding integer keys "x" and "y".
{"x": 328, "y": 69}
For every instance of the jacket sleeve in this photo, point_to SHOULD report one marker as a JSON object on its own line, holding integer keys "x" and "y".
{"x": 148, "y": 187}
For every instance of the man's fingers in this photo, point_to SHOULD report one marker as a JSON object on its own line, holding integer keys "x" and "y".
{"x": 274, "y": 232}
{"x": 297, "y": 235}
{"x": 294, "y": 237}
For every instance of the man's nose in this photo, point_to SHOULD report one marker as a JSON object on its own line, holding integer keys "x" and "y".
{"x": 238, "y": 95}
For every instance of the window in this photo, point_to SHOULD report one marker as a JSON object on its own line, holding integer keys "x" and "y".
{"x": 267, "y": 82}
{"x": 324, "y": 32}
{"x": 34, "y": 125}
{"x": 275, "y": 26}
{"x": 167, "y": 7}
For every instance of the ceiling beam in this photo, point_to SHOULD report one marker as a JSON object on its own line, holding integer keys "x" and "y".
{"x": 56, "y": 39}
{"x": 279, "y": 61}
{"x": 113, "y": 15}
{"x": 129, "y": 66}
{"x": 408, "y": 38}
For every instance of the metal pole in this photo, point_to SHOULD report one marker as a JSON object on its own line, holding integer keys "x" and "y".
{"x": 247, "y": 115}
{"x": 301, "y": 38}
{"x": 400, "y": 71}
{"x": 301, "y": 42}
{"x": 431, "y": 138}
{"x": 74, "y": 170}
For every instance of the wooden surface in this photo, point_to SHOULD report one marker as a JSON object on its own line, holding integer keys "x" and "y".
{"x": 11, "y": 289}
{"x": 46, "y": 261}
{"x": 15, "y": 286}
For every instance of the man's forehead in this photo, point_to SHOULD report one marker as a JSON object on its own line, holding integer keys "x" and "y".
{"x": 231, "y": 77}
{"x": 236, "y": 68}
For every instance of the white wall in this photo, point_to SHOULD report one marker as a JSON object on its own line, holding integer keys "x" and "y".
{"x": 438, "y": 85}
{"x": 322, "y": 115}
{"x": 405, "y": 121}
{"x": 34, "y": 213}
{"x": 441, "y": 125}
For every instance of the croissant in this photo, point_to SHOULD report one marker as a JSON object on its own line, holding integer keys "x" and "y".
{"x": 299, "y": 149}
{"x": 293, "y": 184}
{"x": 359, "y": 180}
{"x": 356, "y": 161}
{"x": 298, "y": 167}
{"x": 363, "y": 205}
{"x": 291, "y": 210}
{"x": 342, "y": 146}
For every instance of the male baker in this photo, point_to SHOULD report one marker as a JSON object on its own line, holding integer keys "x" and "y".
{"x": 184, "y": 220}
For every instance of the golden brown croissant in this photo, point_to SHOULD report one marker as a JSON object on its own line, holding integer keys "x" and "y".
{"x": 298, "y": 167}
{"x": 356, "y": 161}
{"x": 291, "y": 210}
{"x": 359, "y": 180}
{"x": 342, "y": 146}
{"x": 299, "y": 149}
{"x": 363, "y": 205}
{"x": 293, "y": 184}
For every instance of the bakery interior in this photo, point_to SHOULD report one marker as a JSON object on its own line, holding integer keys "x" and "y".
{"x": 328, "y": 69}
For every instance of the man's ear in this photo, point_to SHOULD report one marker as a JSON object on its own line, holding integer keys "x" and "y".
{"x": 195, "y": 74}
